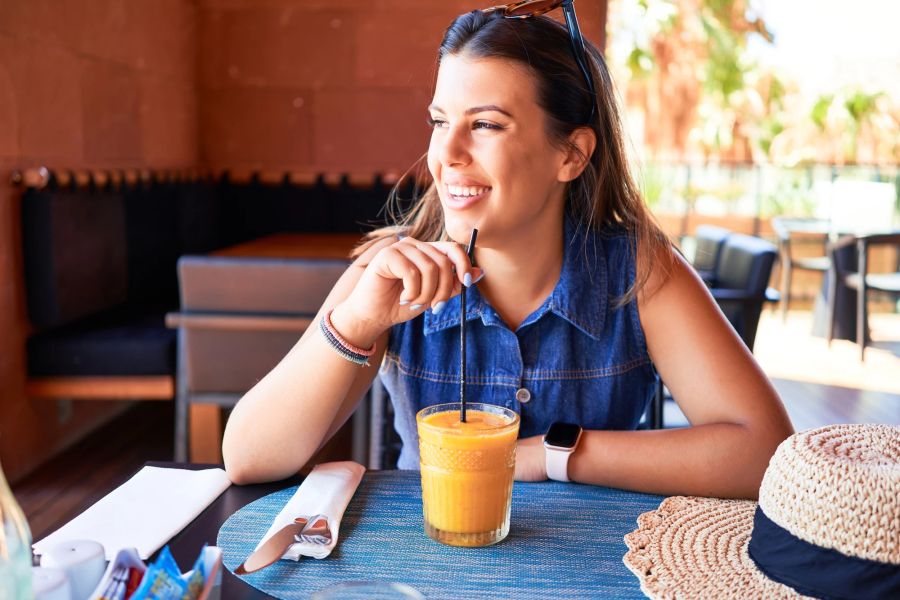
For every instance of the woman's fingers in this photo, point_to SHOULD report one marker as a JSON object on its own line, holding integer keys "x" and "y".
{"x": 446, "y": 282}
{"x": 428, "y": 279}
{"x": 460, "y": 260}
{"x": 429, "y": 272}
{"x": 394, "y": 264}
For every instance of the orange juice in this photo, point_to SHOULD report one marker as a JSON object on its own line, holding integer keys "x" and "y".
{"x": 467, "y": 472}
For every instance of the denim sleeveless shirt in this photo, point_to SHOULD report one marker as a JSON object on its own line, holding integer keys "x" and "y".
{"x": 579, "y": 357}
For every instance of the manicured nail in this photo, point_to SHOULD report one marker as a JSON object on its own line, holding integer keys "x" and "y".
{"x": 404, "y": 302}
{"x": 415, "y": 307}
{"x": 467, "y": 280}
{"x": 439, "y": 307}
{"x": 480, "y": 277}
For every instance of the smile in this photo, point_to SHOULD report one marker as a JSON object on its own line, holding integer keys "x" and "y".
{"x": 463, "y": 196}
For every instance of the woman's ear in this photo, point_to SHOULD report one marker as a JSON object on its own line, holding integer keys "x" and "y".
{"x": 582, "y": 143}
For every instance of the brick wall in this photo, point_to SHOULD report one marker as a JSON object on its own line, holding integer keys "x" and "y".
{"x": 324, "y": 85}
{"x": 311, "y": 85}
{"x": 96, "y": 84}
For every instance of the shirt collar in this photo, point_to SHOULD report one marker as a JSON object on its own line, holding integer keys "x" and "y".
{"x": 580, "y": 296}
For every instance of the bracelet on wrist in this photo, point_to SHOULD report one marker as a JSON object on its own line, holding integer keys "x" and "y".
{"x": 343, "y": 347}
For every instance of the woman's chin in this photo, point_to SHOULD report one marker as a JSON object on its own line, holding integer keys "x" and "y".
{"x": 459, "y": 228}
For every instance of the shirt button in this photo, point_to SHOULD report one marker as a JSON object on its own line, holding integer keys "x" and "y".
{"x": 523, "y": 395}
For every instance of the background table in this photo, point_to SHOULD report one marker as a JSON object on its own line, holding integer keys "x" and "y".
{"x": 565, "y": 542}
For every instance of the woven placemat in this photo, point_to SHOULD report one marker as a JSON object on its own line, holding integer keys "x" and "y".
{"x": 565, "y": 541}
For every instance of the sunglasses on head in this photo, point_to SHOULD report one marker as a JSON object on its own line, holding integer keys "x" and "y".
{"x": 532, "y": 8}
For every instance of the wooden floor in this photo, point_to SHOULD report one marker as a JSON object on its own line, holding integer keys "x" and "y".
{"x": 64, "y": 487}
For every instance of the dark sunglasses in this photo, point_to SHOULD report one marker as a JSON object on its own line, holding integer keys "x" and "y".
{"x": 532, "y": 8}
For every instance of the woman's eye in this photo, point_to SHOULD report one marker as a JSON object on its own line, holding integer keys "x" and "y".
{"x": 486, "y": 125}
{"x": 436, "y": 123}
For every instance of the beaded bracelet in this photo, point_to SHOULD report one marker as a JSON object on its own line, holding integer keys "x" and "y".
{"x": 347, "y": 350}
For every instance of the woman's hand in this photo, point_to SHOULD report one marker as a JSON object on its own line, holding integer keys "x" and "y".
{"x": 400, "y": 281}
{"x": 531, "y": 460}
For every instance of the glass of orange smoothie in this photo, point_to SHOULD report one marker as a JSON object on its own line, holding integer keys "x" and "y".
{"x": 467, "y": 472}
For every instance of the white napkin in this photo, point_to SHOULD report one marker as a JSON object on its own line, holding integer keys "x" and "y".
{"x": 327, "y": 490}
{"x": 145, "y": 512}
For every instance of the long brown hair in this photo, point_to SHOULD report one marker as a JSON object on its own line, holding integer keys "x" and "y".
{"x": 605, "y": 193}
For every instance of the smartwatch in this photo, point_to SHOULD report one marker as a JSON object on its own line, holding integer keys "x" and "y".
{"x": 559, "y": 443}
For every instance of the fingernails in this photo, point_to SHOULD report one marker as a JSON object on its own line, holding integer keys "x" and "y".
{"x": 467, "y": 280}
{"x": 415, "y": 307}
{"x": 404, "y": 302}
{"x": 439, "y": 307}
{"x": 480, "y": 277}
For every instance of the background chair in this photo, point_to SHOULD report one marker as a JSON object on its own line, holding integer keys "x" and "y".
{"x": 740, "y": 288}
{"x": 807, "y": 231}
{"x": 238, "y": 318}
{"x": 859, "y": 279}
{"x": 742, "y": 283}
{"x": 709, "y": 241}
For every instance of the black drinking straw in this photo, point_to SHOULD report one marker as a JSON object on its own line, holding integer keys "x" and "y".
{"x": 470, "y": 251}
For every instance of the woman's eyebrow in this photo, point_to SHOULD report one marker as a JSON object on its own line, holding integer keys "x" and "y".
{"x": 475, "y": 109}
{"x": 487, "y": 108}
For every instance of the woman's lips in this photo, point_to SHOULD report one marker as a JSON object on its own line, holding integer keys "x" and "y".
{"x": 462, "y": 197}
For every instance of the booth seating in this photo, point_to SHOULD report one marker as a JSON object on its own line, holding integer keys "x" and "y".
{"x": 99, "y": 275}
{"x": 100, "y": 266}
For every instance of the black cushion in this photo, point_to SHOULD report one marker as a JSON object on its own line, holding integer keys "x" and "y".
{"x": 199, "y": 218}
{"x": 255, "y": 209}
{"x": 118, "y": 342}
{"x": 151, "y": 229}
{"x": 75, "y": 253}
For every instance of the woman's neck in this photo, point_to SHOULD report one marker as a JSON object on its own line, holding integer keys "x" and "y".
{"x": 520, "y": 275}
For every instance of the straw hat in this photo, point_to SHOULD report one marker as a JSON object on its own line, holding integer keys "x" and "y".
{"x": 827, "y": 525}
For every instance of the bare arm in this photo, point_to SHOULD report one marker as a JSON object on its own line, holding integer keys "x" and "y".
{"x": 291, "y": 412}
{"x": 737, "y": 419}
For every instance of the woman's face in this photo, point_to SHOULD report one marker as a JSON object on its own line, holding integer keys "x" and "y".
{"x": 490, "y": 154}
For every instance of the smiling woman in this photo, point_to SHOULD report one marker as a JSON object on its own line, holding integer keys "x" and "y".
{"x": 575, "y": 299}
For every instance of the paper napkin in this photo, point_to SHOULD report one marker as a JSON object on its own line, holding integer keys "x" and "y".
{"x": 145, "y": 512}
{"x": 327, "y": 490}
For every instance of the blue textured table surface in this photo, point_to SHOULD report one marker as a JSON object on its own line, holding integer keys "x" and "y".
{"x": 565, "y": 541}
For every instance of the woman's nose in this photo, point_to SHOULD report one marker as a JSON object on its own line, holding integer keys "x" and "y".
{"x": 454, "y": 147}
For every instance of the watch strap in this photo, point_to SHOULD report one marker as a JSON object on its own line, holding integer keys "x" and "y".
{"x": 558, "y": 463}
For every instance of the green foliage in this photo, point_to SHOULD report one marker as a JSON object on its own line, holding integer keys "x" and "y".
{"x": 770, "y": 127}
{"x": 641, "y": 63}
{"x": 789, "y": 196}
{"x": 653, "y": 183}
{"x": 820, "y": 109}
{"x": 861, "y": 106}
{"x": 724, "y": 69}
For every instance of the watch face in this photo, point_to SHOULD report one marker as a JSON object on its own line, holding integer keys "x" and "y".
{"x": 563, "y": 435}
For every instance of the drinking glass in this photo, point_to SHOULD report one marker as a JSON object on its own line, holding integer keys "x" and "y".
{"x": 467, "y": 472}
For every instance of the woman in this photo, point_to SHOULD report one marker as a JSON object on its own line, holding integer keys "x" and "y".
{"x": 575, "y": 292}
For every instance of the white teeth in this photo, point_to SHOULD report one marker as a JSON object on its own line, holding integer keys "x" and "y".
{"x": 461, "y": 190}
